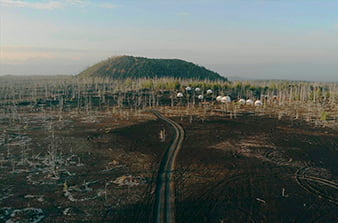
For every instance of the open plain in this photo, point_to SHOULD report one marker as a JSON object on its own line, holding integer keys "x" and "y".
{"x": 75, "y": 153}
{"x": 251, "y": 168}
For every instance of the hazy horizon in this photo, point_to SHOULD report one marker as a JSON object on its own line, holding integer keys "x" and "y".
{"x": 291, "y": 40}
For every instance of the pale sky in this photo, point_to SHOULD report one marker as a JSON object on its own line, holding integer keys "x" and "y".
{"x": 254, "y": 39}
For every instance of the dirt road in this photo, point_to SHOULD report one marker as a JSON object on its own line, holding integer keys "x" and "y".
{"x": 165, "y": 192}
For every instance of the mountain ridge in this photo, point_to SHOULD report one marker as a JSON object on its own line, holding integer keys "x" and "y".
{"x": 122, "y": 67}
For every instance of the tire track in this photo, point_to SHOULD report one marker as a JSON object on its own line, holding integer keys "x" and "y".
{"x": 302, "y": 180}
{"x": 165, "y": 187}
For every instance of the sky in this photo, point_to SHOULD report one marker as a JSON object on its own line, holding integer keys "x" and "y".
{"x": 248, "y": 39}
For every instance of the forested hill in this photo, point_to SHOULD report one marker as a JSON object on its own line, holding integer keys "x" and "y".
{"x": 121, "y": 67}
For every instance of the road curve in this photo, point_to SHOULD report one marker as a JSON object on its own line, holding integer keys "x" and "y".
{"x": 165, "y": 186}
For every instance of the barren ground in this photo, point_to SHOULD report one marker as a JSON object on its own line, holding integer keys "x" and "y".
{"x": 248, "y": 169}
{"x": 243, "y": 170}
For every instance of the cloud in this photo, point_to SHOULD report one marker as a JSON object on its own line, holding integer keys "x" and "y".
{"x": 21, "y": 55}
{"x": 54, "y": 4}
{"x": 27, "y": 55}
{"x": 40, "y": 60}
{"x": 109, "y": 5}
{"x": 35, "y": 5}
{"x": 42, "y": 5}
{"x": 75, "y": 1}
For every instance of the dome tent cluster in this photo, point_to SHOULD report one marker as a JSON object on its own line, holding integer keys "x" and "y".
{"x": 196, "y": 91}
{"x": 221, "y": 98}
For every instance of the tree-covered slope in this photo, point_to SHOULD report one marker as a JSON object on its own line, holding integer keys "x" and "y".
{"x": 139, "y": 67}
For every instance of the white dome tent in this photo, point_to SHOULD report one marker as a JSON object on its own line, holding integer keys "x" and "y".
{"x": 226, "y": 99}
{"x": 200, "y": 97}
{"x": 249, "y": 102}
{"x": 188, "y": 88}
{"x": 241, "y": 101}
{"x": 209, "y": 91}
{"x": 258, "y": 103}
{"x": 179, "y": 95}
{"x": 197, "y": 89}
{"x": 219, "y": 98}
